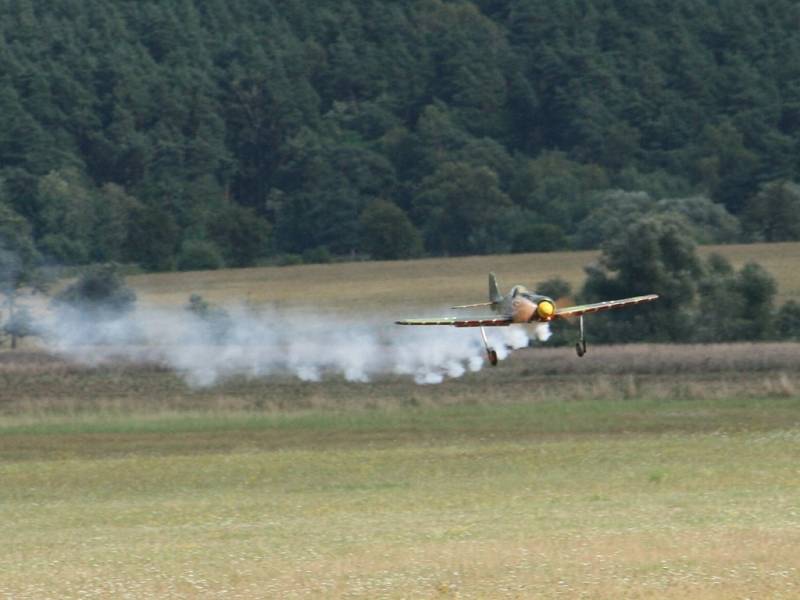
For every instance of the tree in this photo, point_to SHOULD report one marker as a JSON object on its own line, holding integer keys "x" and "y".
{"x": 458, "y": 207}
{"x": 241, "y": 235}
{"x": 539, "y": 237}
{"x": 557, "y": 189}
{"x": 773, "y": 214}
{"x": 612, "y": 213}
{"x": 787, "y": 322}
{"x": 19, "y": 263}
{"x": 555, "y": 287}
{"x": 708, "y": 221}
{"x": 718, "y": 296}
{"x": 100, "y": 293}
{"x": 757, "y": 289}
{"x": 192, "y": 106}
{"x": 654, "y": 255}
{"x": 68, "y": 216}
{"x": 152, "y": 238}
{"x": 728, "y": 166}
{"x": 113, "y": 209}
{"x": 615, "y": 210}
{"x": 387, "y": 233}
{"x": 19, "y": 325}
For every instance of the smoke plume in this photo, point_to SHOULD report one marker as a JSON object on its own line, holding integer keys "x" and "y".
{"x": 271, "y": 343}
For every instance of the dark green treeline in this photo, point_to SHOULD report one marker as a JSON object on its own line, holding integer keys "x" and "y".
{"x": 200, "y": 134}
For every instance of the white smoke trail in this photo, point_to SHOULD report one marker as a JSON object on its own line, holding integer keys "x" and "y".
{"x": 271, "y": 343}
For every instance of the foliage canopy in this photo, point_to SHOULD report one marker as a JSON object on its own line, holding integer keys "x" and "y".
{"x": 131, "y": 131}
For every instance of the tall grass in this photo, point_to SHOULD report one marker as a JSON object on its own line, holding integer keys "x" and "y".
{"x": 35, "y": 384}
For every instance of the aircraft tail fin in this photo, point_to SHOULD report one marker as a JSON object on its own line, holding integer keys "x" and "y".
{"x": 494, "y": 292}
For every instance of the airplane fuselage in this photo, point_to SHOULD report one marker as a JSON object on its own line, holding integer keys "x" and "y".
{"x": 526, "y": 307}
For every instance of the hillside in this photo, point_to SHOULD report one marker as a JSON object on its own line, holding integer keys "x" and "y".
{"x": 208, "y": 134}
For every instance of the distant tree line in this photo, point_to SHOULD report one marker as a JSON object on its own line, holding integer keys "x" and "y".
{"x": 699, "y": 300}
{"x": 196, "y": 135}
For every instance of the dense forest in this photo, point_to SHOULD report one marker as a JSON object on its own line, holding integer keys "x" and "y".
{"x": 188, "y": 134}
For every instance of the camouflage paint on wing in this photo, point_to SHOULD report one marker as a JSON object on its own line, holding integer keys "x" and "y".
{"x": 576, "y": 311}
{"x": 460, "y": 322}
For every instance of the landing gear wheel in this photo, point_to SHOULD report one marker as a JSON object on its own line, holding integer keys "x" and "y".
{"x": 492, "y": 354}
{"x": 580, "y": 347}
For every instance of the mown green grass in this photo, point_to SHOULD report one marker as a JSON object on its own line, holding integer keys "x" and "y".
{"x": 599, "y": 416}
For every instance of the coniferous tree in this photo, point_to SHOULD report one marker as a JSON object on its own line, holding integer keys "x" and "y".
{"x": 306, "y": 115}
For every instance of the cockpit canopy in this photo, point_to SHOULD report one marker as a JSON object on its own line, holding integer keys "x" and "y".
{"x": 520, "y": 290}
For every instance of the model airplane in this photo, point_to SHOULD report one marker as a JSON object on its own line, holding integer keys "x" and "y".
{"x": 522, "y": 307}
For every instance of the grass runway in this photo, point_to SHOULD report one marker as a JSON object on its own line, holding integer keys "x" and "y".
{"x": 624, "y": 490}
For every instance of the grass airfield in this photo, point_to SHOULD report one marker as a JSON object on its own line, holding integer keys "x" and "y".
{"x": 539, "y": 479}
{"x": 636, "y": 472}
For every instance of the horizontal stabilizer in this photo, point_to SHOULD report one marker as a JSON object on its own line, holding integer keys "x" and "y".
{"x": 478, "y": 305}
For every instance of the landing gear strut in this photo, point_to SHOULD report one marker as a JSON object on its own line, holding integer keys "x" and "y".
{"x": 580, "y": 347}
{"x": 491, "y": 354}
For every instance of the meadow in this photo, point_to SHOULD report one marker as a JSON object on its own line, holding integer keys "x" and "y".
{"x": 639, "y": 471}
{"x": 421, "y": 283}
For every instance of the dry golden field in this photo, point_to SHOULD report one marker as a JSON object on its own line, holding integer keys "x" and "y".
{"x": 429, "y": 282}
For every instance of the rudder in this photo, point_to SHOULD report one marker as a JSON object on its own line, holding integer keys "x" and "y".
{"x": 494, "y": 292}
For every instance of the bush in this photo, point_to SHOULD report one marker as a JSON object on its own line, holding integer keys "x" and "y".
{"x": 555, "y": 287}
{"x": 757, "y": 288}
{"x": 19, "y": 325}
{"x": 101, "y": 291}
{"x": 199, "y": 255}
{"x": 787, "y": 322}
{"x": 289, "y": 260}
{"x": 318, "y": 255}
{"x": 217, "y": 319}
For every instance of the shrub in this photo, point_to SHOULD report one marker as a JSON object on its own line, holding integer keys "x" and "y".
{"x": 787, "y": 322}
{"x": 216, "y": 319}
{"x": 101, "y": 291}
{"x": 199, "y": 255}
{"x": 318, "y": 255}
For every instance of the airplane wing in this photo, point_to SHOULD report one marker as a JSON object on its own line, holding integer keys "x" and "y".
{"x": 460, "y": 321}
{"x": 577, "y": 311}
